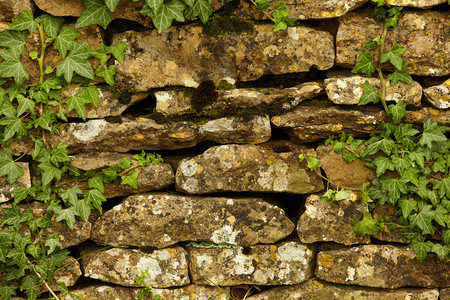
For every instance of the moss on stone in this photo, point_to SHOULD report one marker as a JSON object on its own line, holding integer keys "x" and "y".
{"x": 221, "y": 24}
{"x": 225, "y": 85}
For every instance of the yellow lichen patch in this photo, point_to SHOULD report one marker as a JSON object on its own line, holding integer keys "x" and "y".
{"x": 327, "y": 261}
{"x": 170, "y": 250}
{"x": 332, "y": 231}
{"x": 347, "y": 52}
{"x": 353, "y": 197}
{"x": 447, "y": 82}
{"x": 338, "y": 126}
{"x": 305, "y": 248}
{"x": 178, "y": 135}
{"x": 368, "y": 128}
{"x": 270, "y": 160}
{"x": 293, "y": 68}
{"x": 273, "y": 252}
{"x": 434, "y": 111}
{"x": 138, "y": 137}
{"x": 326, "y": 14}
{"x": 148, "y": 64}
{"x": 445, "y": 98}
{"x": 317, "y": 283}
{"x": 260, "y": 140}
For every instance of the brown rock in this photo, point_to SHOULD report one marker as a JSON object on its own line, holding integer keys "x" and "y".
{"x": 192, "y": 291}
{"x": 69, "y": 275}
{"x": 444, "y": 294}
{"x": 305, "y": 9}
{"x": 240, "y": 168}
{"x": 309, "y": 123}
{"x": 320, "y": 290}
{"x": 415, "y": 3}
{"x": 438, "y": 96}
{"x": 331, "y": 222}
{"x": 184, "y": 57}
{"x": 283, "y": 263}
{"x": 178, "y": 102}
{"x": 420, "y": 116}
{"x": 128, "y": 10}
{"x": 10, "y": 9}
{"x": 339, "y": 172}
{"x": 424, "y": 34}
{"x": 166, "y": 267}
{"x": 245, "y": 221}
{"x": 384, "y": 266}
{"x": 22, "y": 181}
{"x": 348, "y": 90}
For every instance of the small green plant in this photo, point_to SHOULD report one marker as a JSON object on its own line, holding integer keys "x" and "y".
{"x": 412, "y": 166}
{"x": 147, "y": 290}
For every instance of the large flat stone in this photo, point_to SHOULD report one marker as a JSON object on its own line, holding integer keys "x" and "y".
{"x": 415, "y": 3}
{"x": 183, "y": 56}
{"x": 305, "y": 9}
{"x": 320, "y": 290}
{"x": 245, "y": 221}
{"x": 246, "y": 168}
{"x": 10, "y": 9}
{"x": 384, "y": 266}
{"x": 438, "y": 95}
{"x": 348, "y": 90}
{"x": 424, "y": 33}
{"x": 283, "y": 263}
{"x": 108, "y": 292}
{"x": 177, "y": 102}
{"x": 22, "y": 181}
{"x": 166, "y": 267}
{"x": 331, "y": 222}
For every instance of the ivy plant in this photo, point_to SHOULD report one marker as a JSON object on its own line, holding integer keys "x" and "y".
{"x": 412, "y": 164}
{"x": 29, "y": 253}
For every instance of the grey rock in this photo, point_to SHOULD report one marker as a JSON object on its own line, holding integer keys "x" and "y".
{"x": 246, "y": 221}
{"x": 241, "y": 168}
{"x": 439, "y": 95}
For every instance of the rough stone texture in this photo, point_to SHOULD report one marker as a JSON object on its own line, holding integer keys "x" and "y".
{"x": 108, "y": 104}
{"x": 128, "y": 10}
{"x": 183, "y": 56}
{"x": 420, "y": 116}
{"x": 10, "y": 9}
{"x": 331, "y": 222}
{"x": 424, "y": 33}
{"x": 69, "y": 275}
{"x": 283, "y": 263}
{"x": 444, "y": 294}
{"x": 384, "y": 266}
{"x": 348, "y": 90}
{"x": 240, "y": 168}
{"x": 415, "y": 3}
{"x": 339, "y": 172}
{"x": 192, "y": 291}
{"x": 22, "y": 181}
{"x": 80, "y": 233}
{"x": 305, "y": 9}
{"x": 166, "y": 267}
{"x": 319, "y": 290}
{"x": 177, "y": 102}
{"x": 152, "y": 177}
{"x": 245, "y": 221}
{"x": 438, "y": 96}
{"x": 309, "y": 123}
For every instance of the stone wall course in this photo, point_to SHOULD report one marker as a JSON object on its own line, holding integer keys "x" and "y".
{"x": 10, "y": 9}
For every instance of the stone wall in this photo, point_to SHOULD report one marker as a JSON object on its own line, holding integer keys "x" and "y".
{"x": 231, "y": 172}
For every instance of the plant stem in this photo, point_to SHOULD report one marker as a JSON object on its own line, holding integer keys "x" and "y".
{"x": 41, "y": 59}
{"x": 254, "y": 3}
{"x": 380, "y": 72}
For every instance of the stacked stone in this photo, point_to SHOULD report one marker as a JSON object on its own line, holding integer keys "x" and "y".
{"x": 232, "y": 193}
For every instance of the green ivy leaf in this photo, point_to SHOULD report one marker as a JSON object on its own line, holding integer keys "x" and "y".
{"x": 96, "y": 182}
{"x": 85, "y": 96}
{"x": 279, "y": 26}
{"x": 162, "y": 19}
{"x": 400, "y": 75}
{"x": 131, "y": 179}
{"x": 65, "y": 41}
{"x": 393, "y": 17}
{"x": 394, "y": 56}
{"x": 77, "y": 62}
{"x": 421, "y": 249}
{"x": 382, "y": 163}
{"x": 407, "y": 205}
{"x": 13, "y": 67}
{"x": 442, "y": 186}
{"x": 312, "y": 162}
{"x": 51, "y": 24}
{"x": 424, "y": 219}
{"x": 45, "y": 121}
{"x": 24, "y": 105}
{"x": 446, "y": 236}
{"x": 24, "y": 22}
{"x": 7, "y": 291}
{"x": 440, "y": 166}
{"x": 394, "y": 187}
{"x": 441, "y": 251}
{"x": 107, "y": 74}
{"x": 385, "y": 145}
{"x": 59, "y": 154}
{"x": 14, "y": 126}
{"x": 53, "y": 243}
{"x": 364, "y": 64}
{"x": 200, "y": 8}
{"x": 68, "y": 215}
{"x": 116, "y": 50}
{"x": 49, "y": 172}
{"x": 432, "y": 132}
{"x": 397, "y": 112}
{"x": 95, "y": 198}
{"x": 112, "y": 4}
{"x": 70, "y": 195}
{"x": 83, "y": 209}
{"x": 13, "y": 38}
{"x": 369, "y": 95}
{"x": 368, "y": 225}
{"x": 94, "y": 12}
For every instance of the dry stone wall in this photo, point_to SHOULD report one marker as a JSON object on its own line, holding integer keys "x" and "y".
{"x": 232, "y": 206}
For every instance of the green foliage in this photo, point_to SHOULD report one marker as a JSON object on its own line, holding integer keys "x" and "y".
{"x": 147, "y": 290}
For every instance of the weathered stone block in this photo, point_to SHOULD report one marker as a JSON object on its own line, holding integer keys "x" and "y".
{"x": 283, "y": 263}
{"x": 241, "y": 168}
{"x": 320, "y": 290}
{"x": 245, "y": 221}
{"x": 69, "y": 275}
{"x": 439, "y": 95}
{"x": 415, "y": 3}
{"x": 166, "y": 267}
{"x": 10, "y": 9}
{"x": 348, "y": 90}
{"x": 424, "y": 34}
{"x": 384, "y": 266}
{"x": 331, "y": 222}
{"x": 339, "y": 172}
{"x": 183, "y": 56}
{"x": 22, "y": 181}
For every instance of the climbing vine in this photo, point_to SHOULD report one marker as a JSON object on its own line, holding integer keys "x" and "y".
{"x": 412, "y": 164}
